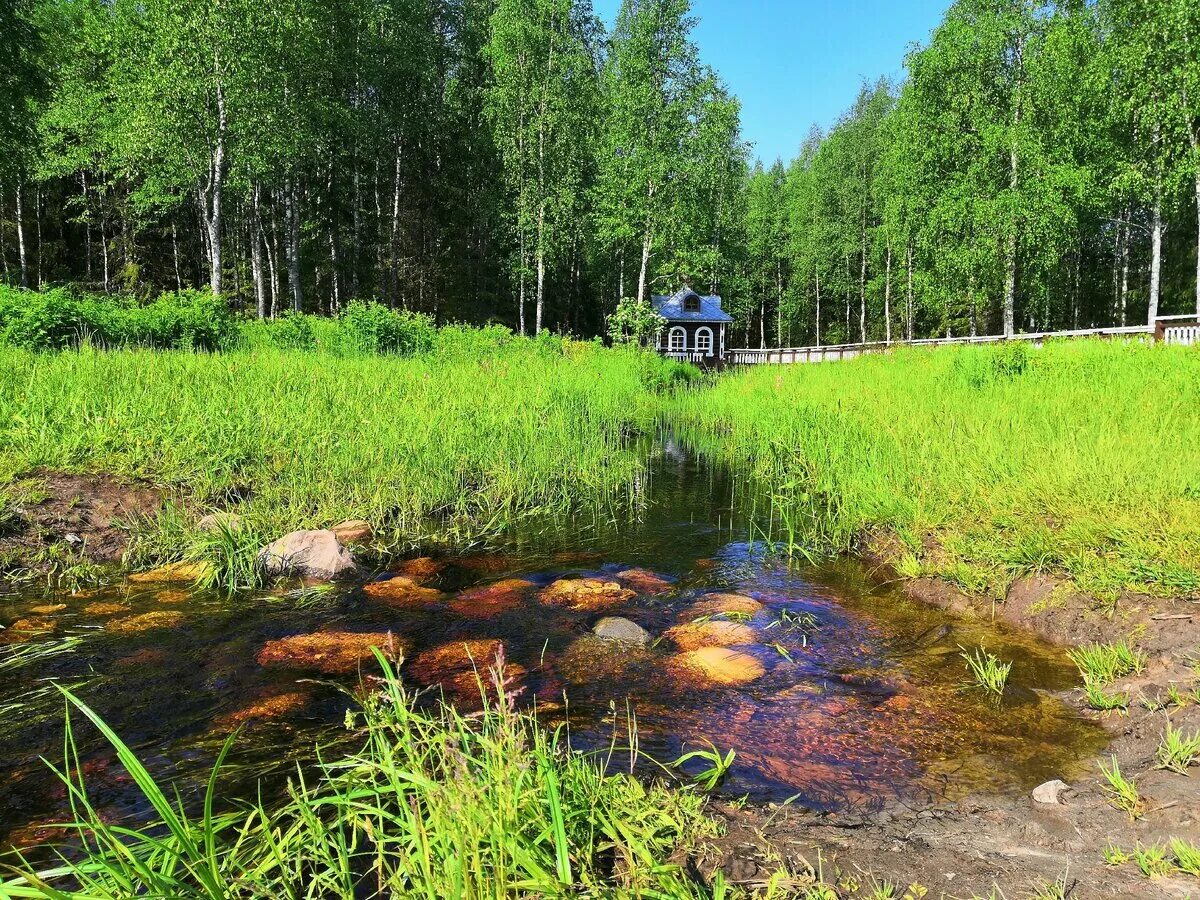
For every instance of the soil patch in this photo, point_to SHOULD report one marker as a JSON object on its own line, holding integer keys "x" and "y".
{"x": 55, "y": 520}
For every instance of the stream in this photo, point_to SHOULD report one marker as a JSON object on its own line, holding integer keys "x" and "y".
{"x": 831, "y": 689}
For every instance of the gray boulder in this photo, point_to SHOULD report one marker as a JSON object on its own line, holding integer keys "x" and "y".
{"x": 615, "y": 628}
{"x": 1050, "y": 792}
{"x": 309, "y": 554}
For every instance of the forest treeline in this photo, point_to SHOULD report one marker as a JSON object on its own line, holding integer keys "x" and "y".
{"x": 513, "y": 160}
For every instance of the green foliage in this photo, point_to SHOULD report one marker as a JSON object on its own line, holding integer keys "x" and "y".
{"x": 373, "y": 328}
{"x": 1101, "y": 664}
{"x": 987, "y": 671}
{"x": 1101, "y": 701}
{"x": 1177, "y": 750}
{"x": 715, "y": 769}
{"x": 55, "y": 319}
{"x": 1121, "y": 791}
{"x": 635, "y": 323}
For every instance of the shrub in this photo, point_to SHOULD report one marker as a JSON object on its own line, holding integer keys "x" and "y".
{"x": 635, "y": 323}
{"x": 374, "y": 328}
{"x": 55, "y": 319}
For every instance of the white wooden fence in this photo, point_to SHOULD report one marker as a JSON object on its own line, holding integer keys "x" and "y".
{"x": 1182, "y": 330}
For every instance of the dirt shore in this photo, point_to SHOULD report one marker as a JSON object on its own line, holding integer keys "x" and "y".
{"x": 1014, "y": 847}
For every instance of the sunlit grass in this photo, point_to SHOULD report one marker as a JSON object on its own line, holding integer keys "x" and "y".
{"x": 993, "y": 470}
{"x": 1177, "y": 750}
{"x": 1121, "y": 791}
{"x": 986, "y": 670}
{"x": 1102, "y": 701}
{"x": 452, "y": 445}
{"x": 1101, "y": 664}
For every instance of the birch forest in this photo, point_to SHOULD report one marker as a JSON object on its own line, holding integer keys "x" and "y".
{"x": 1037, "y": 167}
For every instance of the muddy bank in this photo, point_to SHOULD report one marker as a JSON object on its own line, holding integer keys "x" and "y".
{"x": 970, "y": 847}
{"x": 57, "y": 524}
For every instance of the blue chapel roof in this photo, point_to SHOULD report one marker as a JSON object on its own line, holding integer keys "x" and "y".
{"x": 671, "y": 308}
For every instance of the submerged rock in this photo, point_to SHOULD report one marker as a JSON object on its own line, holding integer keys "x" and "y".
{"x": 713, "y": 633}
{"x": 723, "y": 604}
{"x": 176, "y": 571}
{"x": 146, "y": 621}
{"x": 710, "y": 666}
{"x": 264, "y": 708}
{"x": 401, "y": 591}
{"x": 26, "y": 629}
{"x": 586, "y": 594}
{"x": 589, "y": 659}
{"x": 488, "y": 600}
{"x": 479, "y": 653}
{"x": 309, "y": 554}
{"x": 620, "y": 630}
{"x": 645, "y": 582}
{"x": 104, "y": 608}
{"x": 331, "y": 652}
{"x": 353, "y": 531}
{"x": 421, "y": 567}
{"x": 47, "y": 609}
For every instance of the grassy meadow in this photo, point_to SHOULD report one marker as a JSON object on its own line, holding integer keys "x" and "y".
{"x": 449, "y": 444}
{"x": 1079, "y": 458}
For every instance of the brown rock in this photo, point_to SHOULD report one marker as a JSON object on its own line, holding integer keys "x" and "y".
{"x": 170, "y": 596}
{"x": 176, "y": 571}
{"x": 713, "y": 633}
{"x": 331, "y": 652}
{"x": 47, "y": 609}
{"x": 264, "y": 708}
{"x": 146, "y": 621}
{"x": 421, "y": 567}
{"x": 432, "y": 665}
{"x": 401, "y": 591}
{"x": 218, "y": 521}
{"x": 586, "y": 594}
{"x": 645, "y": 582}
{"x": 309, "y": 554}
{"x": 101, "y": 608}
{"x": 25, "y": 629}
{"x": 719, "y": 604}
{"x": 353, "y": 531}
{"x": 715, "y": 666}
{"x": 489, "y": 599}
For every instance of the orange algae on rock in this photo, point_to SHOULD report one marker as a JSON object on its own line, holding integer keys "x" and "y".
{"x": 401, "y": 591}
{"x": 146, "y": 621}
{"x": 586, "y": 594}
{"x": 331, "y": 652}
{"x": 715, "y": 666}
{"x": 713, "y": 633}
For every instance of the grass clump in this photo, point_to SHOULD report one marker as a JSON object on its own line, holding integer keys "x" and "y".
{"x": 987, "y": 671}
{"x": 1187, "y": 856}
{"x": 1101, "y": 664}
{"x": 1152, "y": 861}
{"x": 1101, "y": 701}
{"x": 1121, "y": 791}
{"x": 431, "y": 805}
{"x": 1177, "y": 750}
{"x": 977, "y": 450}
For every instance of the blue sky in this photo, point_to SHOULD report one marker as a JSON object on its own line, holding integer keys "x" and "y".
{"x": 796, "y": 62}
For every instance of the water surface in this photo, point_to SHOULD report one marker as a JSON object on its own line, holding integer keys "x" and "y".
{"x": 861, "y": 701}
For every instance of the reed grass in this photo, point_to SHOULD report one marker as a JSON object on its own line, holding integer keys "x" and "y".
{"x": 1080, "y": 461}
{"x": 1177, "y": 750}
{"x": 986, "y": 670}
{"x": 433, "y": 805}
{"x": 1102, "y": 664}
{"x": 450, "y": 445}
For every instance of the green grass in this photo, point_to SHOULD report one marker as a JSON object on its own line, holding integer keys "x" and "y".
{"x": 432, "y": 805}
{"x": 1101, "y": 664}
{"x": 1187, "y": 856}
{"x": 1101, "y": 701}
{"x": 1081, "y": 461}
{"x": 451, "y": 446}
{"x": 1177, "y": 750}
{"x": 1121, "y": 791}
{"x": 986, "y": 670}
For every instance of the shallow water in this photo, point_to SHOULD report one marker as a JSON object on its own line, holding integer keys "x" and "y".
{"x": 860, "y": 701}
